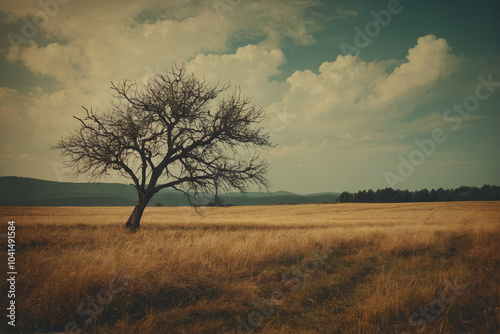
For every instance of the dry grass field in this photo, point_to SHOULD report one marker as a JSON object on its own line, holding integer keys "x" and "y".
{"x": 329, "y": 268}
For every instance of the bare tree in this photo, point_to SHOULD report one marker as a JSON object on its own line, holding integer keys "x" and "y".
{"x": 173, "y": 132}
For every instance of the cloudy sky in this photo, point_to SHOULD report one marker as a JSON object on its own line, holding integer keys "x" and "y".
{"x": 358, "y": 94}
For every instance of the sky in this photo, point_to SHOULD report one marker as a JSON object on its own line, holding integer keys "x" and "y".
{"x": 358, "y": 94}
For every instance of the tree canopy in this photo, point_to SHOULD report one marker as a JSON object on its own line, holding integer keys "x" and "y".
{"x": 176, "y": 131}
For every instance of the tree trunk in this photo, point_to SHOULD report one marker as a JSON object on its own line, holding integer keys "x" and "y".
{"x": 134, "y": 221}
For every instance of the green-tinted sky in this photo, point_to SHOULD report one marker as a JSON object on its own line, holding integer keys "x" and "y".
{"x": 344, "y": 115}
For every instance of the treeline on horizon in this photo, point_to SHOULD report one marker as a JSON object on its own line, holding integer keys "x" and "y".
{"x": 389, "y": 195}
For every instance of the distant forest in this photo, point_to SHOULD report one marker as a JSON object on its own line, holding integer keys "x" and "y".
{"x": 389, "y": 195}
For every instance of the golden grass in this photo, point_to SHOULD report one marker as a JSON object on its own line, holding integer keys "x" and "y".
{"x": 356, "y": 268}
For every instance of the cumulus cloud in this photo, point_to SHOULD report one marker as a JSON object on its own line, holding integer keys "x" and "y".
{"x": 428, "y": 62}
{"x": 351, "y": 101}
{"x": 90, "y": 46}
{"x": 343, "y": 118}
{"x": 249, "y": 68}
{"x": 86, "y": 45}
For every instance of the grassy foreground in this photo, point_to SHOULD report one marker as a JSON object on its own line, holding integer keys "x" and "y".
{"x": 330, "y": 268}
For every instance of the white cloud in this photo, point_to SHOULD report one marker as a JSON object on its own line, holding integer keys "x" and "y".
{"x": 428, "y": 62}
{"x": 249, "y": 68}
{"x": 347, "y": 122}
{"x": 341, "y": 121}
{"x": 110, "y": 40}
{"x": 95, "y": 42}
{"x": 351, "y": 100}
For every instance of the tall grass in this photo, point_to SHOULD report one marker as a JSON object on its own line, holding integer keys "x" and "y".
{"x": 375, "y": 265}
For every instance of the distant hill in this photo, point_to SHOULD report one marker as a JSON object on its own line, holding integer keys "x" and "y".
{"x": 20, "y": 191}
